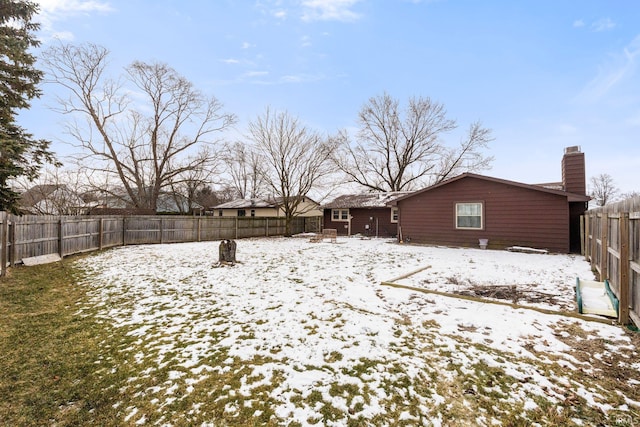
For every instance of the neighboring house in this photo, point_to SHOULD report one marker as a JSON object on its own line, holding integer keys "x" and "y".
{"x": 306, "y": 207}
{"x": 52, "y": 199}
{"x": 246, "y": 207}
{"x": 366, "y": 214}
{"x": 469, "y": 207}
{"x": 265, "y": 208}
{"x": 167, "y": 203}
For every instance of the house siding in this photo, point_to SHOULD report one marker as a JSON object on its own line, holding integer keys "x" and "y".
{"x": 378, "y": 220}
{"x": 260, "y": 212}
{"x": 512, "y": 216}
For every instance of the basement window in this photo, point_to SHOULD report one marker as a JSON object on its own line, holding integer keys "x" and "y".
{"x": 469, "y": 216}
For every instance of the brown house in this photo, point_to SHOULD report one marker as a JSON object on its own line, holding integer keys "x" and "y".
{"x": 366, "y": 214}
{"x": 470, "y": 207}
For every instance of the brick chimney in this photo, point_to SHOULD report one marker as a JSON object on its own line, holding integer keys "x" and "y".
{"x": 573, "y": 171}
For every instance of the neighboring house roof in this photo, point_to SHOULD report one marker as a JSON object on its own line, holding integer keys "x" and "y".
{"x": 279, "y": 200}
{"x": 364, "y": 200}
{"x": 255, "y": 203}
{"x": 571, "y": 197}
{"x": 168, "y": 202}
{"x": 246, "y": 203}
{"x": 37, "y": 193}
{"x": 52, "y": 199}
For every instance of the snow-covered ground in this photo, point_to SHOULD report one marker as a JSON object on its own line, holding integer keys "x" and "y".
{"x": 307, "y": 335}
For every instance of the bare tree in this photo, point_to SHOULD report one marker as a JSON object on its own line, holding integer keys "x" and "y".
{"x": 630, "y": 195}
{"x": 398, "y": 149}
{"x": 144, "y": 129}
{"x": 243, "y": 164}
{"x": 295, "y": 158}
{"x": 185, "y": 187}
{"x": 208, "y": 197}
{"x": 603, "y": 189}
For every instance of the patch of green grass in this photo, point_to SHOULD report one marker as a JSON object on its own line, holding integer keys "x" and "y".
{"x": 53, "y": 356}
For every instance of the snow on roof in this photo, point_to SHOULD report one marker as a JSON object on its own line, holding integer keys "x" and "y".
{"x": 364, "y": 200}
{"x": 245, "y": 203}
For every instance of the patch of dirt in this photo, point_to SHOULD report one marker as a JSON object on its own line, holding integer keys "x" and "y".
{"x": 612, "y": 363}
{"x": 510, "y": 293}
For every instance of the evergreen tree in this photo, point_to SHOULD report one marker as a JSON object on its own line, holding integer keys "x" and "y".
{"x": 20, "y": 154}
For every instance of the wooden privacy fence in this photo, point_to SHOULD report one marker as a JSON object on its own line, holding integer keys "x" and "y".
{"x": 36, "y": 235}
{"x": 612, "y": 246}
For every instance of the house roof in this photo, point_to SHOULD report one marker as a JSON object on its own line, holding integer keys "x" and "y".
{"x": 571, "y": 197}
{"x": 246, "y": 203}
{"x": 279, "y": 200}
{"x": 364, "y": 200}
{"x": 38, "y": 193}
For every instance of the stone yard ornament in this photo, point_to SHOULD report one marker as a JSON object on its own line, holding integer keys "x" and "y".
{"x": 226, "y": 253}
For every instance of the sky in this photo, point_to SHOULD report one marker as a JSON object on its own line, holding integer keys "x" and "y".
{"x": 543, "y": 75}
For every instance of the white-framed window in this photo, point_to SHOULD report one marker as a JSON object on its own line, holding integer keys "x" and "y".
{"x": 253, "y": 212}
{"x": 242, "y": 212}
{"x": 394, "y": 214}
{"x": 469, "y": 216}
{"x": 219, "y": 212}
{"x": 340, "y": 215}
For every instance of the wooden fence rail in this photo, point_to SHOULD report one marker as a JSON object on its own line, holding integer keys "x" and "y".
{"x": 612, "y": 246}
{"x": 37, "y": 235}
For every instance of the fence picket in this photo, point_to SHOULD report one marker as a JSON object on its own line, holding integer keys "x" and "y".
{"x": 612, "y": 247}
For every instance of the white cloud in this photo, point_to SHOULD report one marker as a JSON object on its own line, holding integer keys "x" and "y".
{"x": 622, "y": 67}
{"x": 256, "y": 73}
{"x": 230, "y": 61}
{"x": 54, "y": 11}
{"x": 329, "y": 10}
{"x": 301, "y": 78}
{"x": 280, "y": 14}
{"x": 73, "y": 6}
{"x": 246, "y": 45}
{"x": 603, "y": 24}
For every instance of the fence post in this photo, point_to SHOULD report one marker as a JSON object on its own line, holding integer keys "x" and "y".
{"x": 587, "y": 243}
{"x": 101, "y": 234}
{"x": 582, "y": 235}
{"x": 60, "y": 238}
{"x": 4, "y": 230}
{"x": 623, "y": 314}
{"x": 161, "y": 230}
{"x": 594, "y": 239}
{"x": 236, "y": 233}
{"x": 266, "y": 227}
{"x": 11, "y": 241}
{"x": 604, "y": 249}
